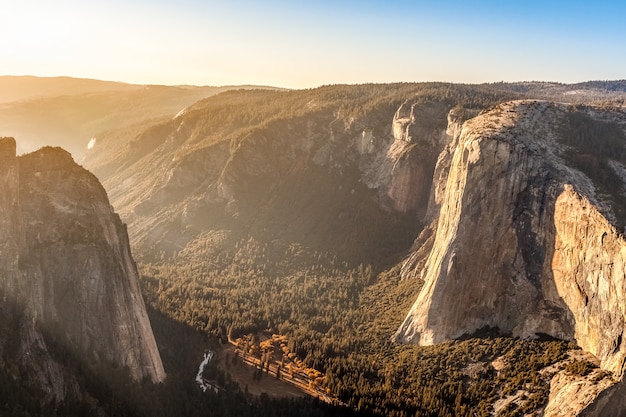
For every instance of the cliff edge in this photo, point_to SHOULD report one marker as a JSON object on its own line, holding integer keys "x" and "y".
{"x": 528, "y": 236}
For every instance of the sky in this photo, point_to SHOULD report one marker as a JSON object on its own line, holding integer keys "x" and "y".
{"x": 305, "y": 44}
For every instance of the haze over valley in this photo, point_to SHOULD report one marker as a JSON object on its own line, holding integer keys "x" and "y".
{"x": 312, "y": 209}
{"x": 324, "y": 239}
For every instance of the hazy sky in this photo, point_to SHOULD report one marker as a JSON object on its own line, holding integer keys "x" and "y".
{"x": 309, "y": 43}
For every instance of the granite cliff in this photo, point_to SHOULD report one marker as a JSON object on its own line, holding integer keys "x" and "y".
{"x": 67, "y": 278}
{"x": 524, "y": 240}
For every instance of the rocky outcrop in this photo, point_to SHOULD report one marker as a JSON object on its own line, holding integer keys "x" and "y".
{"x": 402, "y": 170}
{"x": 10, "y": 220}
{"x": 65, "y": 264}
{"x": 472, "y": 209}
{"x": 522, "y": 243}
{"x": 569, "y": 394}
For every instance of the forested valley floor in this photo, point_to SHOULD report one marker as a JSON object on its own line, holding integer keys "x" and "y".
{"x": 333, "y": 322}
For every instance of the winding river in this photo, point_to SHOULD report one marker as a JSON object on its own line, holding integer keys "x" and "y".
{"x": 199, "y": 379}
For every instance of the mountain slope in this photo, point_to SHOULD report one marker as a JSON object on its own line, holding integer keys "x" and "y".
{"x": 238, "y": 161}
{"x": 26, "y": 88}
{"x": 68, "y": 281}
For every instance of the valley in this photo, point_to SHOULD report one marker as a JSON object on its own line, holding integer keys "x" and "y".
{"x": 411, "y": 249}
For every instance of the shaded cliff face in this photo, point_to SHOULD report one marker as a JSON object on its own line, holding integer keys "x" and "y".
{"x": 522, "y": 240}
{"x": 66, "y": 266}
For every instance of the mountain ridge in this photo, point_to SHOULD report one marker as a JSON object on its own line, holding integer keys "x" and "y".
{"x": 27, "y": 87}
{"x": 71, "y": 112}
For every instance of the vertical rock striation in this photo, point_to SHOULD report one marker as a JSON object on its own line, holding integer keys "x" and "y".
{"x": 10, "y": 219}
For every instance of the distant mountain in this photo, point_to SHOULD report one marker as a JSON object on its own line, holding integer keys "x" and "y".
{"x": 70, "y": 112}
{"x": 24, "y": 88}
{"x": 585, "y": 92}
{"x": 613, "y": 86}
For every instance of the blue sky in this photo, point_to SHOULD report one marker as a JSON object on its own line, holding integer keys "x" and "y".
{"x": 307, "y": 44}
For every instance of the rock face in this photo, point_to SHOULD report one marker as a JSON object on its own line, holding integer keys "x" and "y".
{"x": 65, "y": 265}
{"x": 570, "y": 394}
{"x": 523, "y": 242}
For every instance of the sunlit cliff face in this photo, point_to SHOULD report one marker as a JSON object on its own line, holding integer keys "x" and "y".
{"x": 524, "y": 239}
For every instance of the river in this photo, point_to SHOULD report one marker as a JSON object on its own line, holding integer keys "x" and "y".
{"x": 199, "y": 379}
